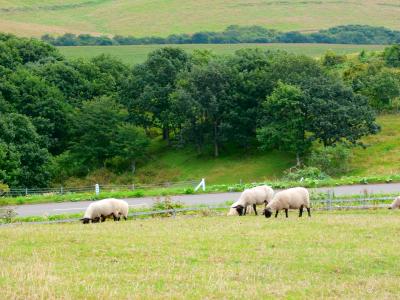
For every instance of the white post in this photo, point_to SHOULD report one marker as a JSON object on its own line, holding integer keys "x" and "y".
{"x": 202, "y": 184}
{"x": 97, "y": 189}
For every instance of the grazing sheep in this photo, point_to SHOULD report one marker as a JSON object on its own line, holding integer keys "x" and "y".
{"x": 395, "y": 203}
{"x": 251, "y": 197}
{"x": 294, "y": 198}
{"x": 106, "y": 208}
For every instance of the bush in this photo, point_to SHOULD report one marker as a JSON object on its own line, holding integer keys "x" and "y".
{"x": 332, "y": 59}
{"x": 333, "y": 160}
{"x": 305, "y": 173}
{"x": 3, "y": 188}
{"x": 165, "y": 204}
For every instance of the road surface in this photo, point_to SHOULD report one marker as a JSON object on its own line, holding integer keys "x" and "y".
{"x": 207, "y": 199}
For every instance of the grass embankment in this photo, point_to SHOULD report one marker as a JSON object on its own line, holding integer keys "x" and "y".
{"x": 137, "y": 54}
{"x": 351, "y": 255}
{"x": 158, "y": 17}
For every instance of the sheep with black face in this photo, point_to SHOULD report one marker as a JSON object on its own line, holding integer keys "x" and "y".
{"x": 106, "y": 208}
{"x": 251, "y": 197}
{"x": 294, "y": 198}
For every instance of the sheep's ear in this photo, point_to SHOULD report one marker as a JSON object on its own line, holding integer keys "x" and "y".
{"x": 234, "y": 206}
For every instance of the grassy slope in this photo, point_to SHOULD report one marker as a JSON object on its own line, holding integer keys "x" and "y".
{"x": 159, "y": 17}
{"x": 137, "y": 54}
{"x": 351, "y": 255}
{"x": 381, "y": 157}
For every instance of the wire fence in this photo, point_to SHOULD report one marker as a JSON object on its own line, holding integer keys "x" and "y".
{"x": 96, "y": 189}
{"x": 328, "y": 204}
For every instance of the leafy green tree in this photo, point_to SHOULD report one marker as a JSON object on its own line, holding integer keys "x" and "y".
{"x": 392, "y": 56}
{"x": 284, "y": 121}
{"x": 23, "y": 161}
{"x": 95, "y": 127}
{"x": 30, "y": 95}
{"x": 210, "y": 90}
{"x": 130, "y": 144}
{"x": 147, "y": 93}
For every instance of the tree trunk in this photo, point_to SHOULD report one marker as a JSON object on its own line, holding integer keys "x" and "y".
{"x": 298, "y": 162}
{"x": 166, "y": 134}
{"x": 216, "y": 153}
{"x": 133, "y": 166}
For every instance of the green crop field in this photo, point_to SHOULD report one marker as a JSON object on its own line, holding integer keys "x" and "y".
{"x": 138, "y": 53}
{"x": 347, "y": 255}
{"x": 158, "y": 17}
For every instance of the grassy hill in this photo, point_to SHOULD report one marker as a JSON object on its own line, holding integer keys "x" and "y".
{"x": 138, "y": 53}
{"x": 381, "y": 157}
{"x": 160, "y": 17}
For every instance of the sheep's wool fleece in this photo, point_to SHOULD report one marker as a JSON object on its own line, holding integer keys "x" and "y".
{"x": 395, "y": 203}
{"x": 290, "y": 199}
{"x": 106, "y": 207}
{"x": 256, "y": 195}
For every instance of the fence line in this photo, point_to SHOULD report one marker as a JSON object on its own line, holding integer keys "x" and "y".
{"x": 319, "y": 205}
{"x": 92, "y": 189}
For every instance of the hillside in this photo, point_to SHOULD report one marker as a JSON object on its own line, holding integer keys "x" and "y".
{"x": 158, "y": 17}
{"x": 138, "y": 53}
{"x": 381, "y": 157}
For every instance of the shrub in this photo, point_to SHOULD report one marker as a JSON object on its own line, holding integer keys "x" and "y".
{"x": 332, "y": 59}
{"x": 305, "y": 173}
{"x": 333, "y": 160}
{"x": 165, "y": 204}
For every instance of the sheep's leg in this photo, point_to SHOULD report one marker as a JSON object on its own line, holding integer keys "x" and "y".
{"x": 309, "y": 211}
{"x": 276, "y": 214}
{"x": 255, "y": 209}
{"x": 301, "y": 211}
{"x": 286, "y": 212}
{"x": 102, "y": 218}
{"x": 244, "y": 210}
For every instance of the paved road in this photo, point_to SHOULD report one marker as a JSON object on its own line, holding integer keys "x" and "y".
{"x": 207, "y": 199}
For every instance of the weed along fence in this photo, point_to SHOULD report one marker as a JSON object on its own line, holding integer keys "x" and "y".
{"x": 98, "y": 188}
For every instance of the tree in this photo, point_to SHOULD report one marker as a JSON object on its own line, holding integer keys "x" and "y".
{"x": 130, "y": 144}
{"x": 96, "y": 125}
{"x": 23, "y": 161}
{"x": 147, "y": 93}
{"x": 392, "y": 56}
{"x": 210, "y": 90}
{"x": 284, "y": 121}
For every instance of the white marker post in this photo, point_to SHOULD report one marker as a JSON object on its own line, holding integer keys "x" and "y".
{"x": 97, "y": 189}
{"x": 202, "y": 184}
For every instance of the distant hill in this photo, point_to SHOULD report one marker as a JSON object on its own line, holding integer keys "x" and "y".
{"x": 161, "y": 17}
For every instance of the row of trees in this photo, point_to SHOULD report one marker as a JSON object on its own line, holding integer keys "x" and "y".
{"x": 61, "y": 118}
{"x": 348, "y": 34}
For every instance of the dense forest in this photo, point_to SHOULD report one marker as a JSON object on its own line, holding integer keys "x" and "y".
{"x": 62, "y": 118}
{"x": 234, "y": 34}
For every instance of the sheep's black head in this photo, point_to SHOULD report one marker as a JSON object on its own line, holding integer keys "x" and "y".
{"x": 239, "y": 209}
{"x": 267, "y": 213}
{"x": 85, "y": 220}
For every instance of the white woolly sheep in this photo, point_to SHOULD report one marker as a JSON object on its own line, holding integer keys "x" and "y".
{"x": 106, "y": 208}
{"x": 251, "y": 197}
{"x": 294, "y": 198}
{"x": 395, "y": 203}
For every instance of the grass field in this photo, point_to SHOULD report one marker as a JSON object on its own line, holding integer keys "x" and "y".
{"x": 347, "y": 255}
{"x": 158, "y": 17}
{"x": 138, "y": 53}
